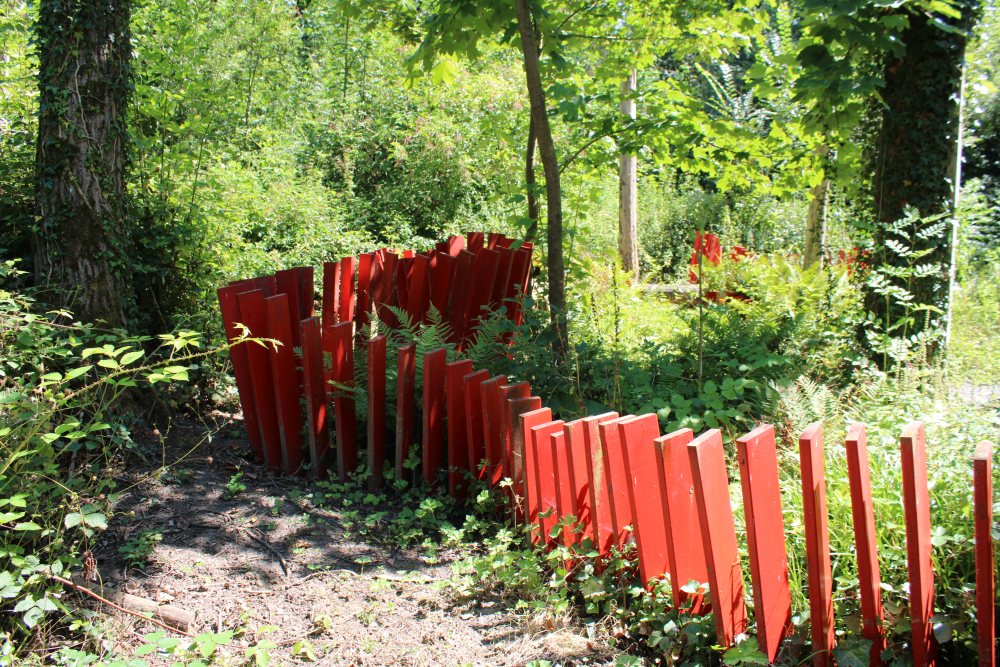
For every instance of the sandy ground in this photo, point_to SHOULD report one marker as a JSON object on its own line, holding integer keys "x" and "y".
{"x": 271, "y": 566}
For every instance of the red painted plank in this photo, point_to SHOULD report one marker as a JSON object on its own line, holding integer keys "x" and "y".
{"x": 331, "y": 293}
{"x": 758, "y": 459}
{"x": 474, "y": 422}
{"x": 386, "y": 288}
{"x": 644, "y": 490}
{"x": 985, "y": 583}
{"x": 492, "y": 405}
{"x": 346, "y": 284}
{"x": 715, "y": 514}
{"x": 366, "y": 264}
{"x": 817, "y": 545}
{"x": 564, "y": 485}
{"x": 315, "y": 394}
{"x": 516, "y": 407}
{"x": 474, "y": 242}
{"x": 433, "y": 408}
{"x": 482, "y": 288}
{"x": 456, "y": 244}
{"x": 418, "y": 289}
{"x": 505, "y": 242}
{"x": 917, "y": 510}
{"x": 533, "y": 500}
{"x": 286, "y": 383}
{"x": 406, "y": 381}
{"x": 614, "y": 462}
{"x": 509, "y": 392}
{"x": 680, "y": 513}
{"x": 253, "y": 314}
{"x": 441, "y": 282}
{"x": 239, "y": 357}
{"x": 375, "y": 348}
{"x": 296, "y": 284}
{"x": 600, "y": 489}
{"x": 540, "y": 447}
{"x": 460, "y": 294}
{"x": 403, "y": 270}
{"x": 458, "y": 433}
{"x": 579, "y": 479}
{"x": 862, "y": 511}
{"x": 492, "y": 240}
{"x": 341, "y": 337}
{"x": 504, "y": 264}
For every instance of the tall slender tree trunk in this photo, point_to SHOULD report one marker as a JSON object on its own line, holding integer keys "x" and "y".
{"x": 550, "y": 167}
{"x": 79, "y": 243}
{"x": 816, "y": 223}
{"x": 529, "y": 182}
{"x": 628, "y": 198}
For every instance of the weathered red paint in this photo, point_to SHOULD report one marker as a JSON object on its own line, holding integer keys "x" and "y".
{"x": 482, "y": 288}
{"x": 579, "y": 479}
{"x": 346, "y": 284}
{"x": 818, "y": 565}
{"x": 643, "y": 485}
{"x": 418, "y": 290}
{"x": 614, "y": 465}
{"x": 297, "y": 285}
{"x": 406, "y": 381}
{"x": 341, "y": 337}
{"x": 458, "y": 433}
{"x": 460, "y": 295}
{"x": 286, "y": 384}
{"x": 917, "y": 510}
{"x": 253, "y": 314}
{"x": 366, "y": 263}
{"x": 441, "y": 283}
{"x": 492, "y": 407}
{"x": 758, "y": 459}
{"x": 474, "y": 242}
{"x": 517, "y": 407}
{"x": 597, "y": 481}
{"x": 508, "y": 392}
{"x": 715, "y": 514}
{"x": 564, "y": 485}
{"x": 331, "y": 293}
{"x": 376, "y": 359}
{"x": 314, "y": 385}
{"x": 985, "y": 582}
{"x": 474, "y": 422}
{"x": 238, "y": 355}
{"x": 680, "y": 515}
{"x": 540, "y": 446}
{"x": 433, "y": 409}
{"x": 863, "y": 514}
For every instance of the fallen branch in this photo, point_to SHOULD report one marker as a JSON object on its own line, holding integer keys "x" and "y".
{"x": 173, "y": 618}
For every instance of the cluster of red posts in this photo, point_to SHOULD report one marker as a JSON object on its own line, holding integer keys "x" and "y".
{"x": 625, "y": 484}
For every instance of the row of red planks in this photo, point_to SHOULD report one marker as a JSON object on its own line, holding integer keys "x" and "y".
{"x": 286, "y": 390}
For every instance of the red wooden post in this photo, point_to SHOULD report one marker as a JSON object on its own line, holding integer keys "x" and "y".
{"x": 644, "y": 490}
{"x": 346, "y": 283}
{"x": 564, "y": 484}
{"x": 456, "y": 244}
{"x": 406, "y": 380}
{"x": 579, "y": 479}
{"x": 460, "y": 294}
{"x": 297, "y": 284}
{"x": 758, "y": 458}
{"x": 680, "y": 513}
{"x": 238, "y": 355}
{"x": 458, "y": 434}
{"x": 331, "y": 293}
{"x": 403, "y": 270}
{"x": 474, "y": 241}
{"x": 517, "y": 407}
{"x": 597, "y": 480}
{"x": 533, "y": 499}
{"x": 342, "y": 345}
{"x": 434, "y": 405}
{"x": 441, "y": 283}
{"x": 376, "y": 410}
{"x": 286, "y": 383}
{"x": 417, "y": 289}
{"x": 862, "y": 512}
{"x": 366, "y": 263}
{"x": 520, "y": 276}
{"x": 482, "y": 288}
{"x": 917, "y": 510}
{"x": 545, "y": 473}
{"x": 253, "y": 314}
{"x": 817, "y": 545}
{"x": 985, "y": 583}
{"x": 715, "y": 514}
{"x": 509, "y": 392}
{"x": 614, "y": 465}
{"x": 474, "y": 422}
{"x": 387, "y": 283}
{"x": 492, "y": 408}
{"x": 504, "y": 264}
{"x": 315, "y": 392}
{"x": 492, "y": 238}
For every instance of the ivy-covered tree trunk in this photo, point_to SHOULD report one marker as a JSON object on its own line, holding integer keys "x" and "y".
{"x": 550, "y": 167}
{"x": 913, "y": 153}
{"x": 80, "y": 160}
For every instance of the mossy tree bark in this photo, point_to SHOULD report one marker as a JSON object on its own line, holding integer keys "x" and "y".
{"x": 79, "y": 242}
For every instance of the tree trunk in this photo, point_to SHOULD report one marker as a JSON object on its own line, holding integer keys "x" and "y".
{"x": 529, "y": 182}
{"x": 816, "y": 224}
{"x": 628, "y": 229}
{"x": 550, "y": 167}
{"x": 79, "y": 244}
{"x": 913, "y": 152}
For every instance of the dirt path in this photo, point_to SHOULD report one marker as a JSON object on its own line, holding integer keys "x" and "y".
{"x": 269, "y": 564}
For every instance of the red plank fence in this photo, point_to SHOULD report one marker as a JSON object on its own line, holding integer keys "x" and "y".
{"x": 626, "y": 486}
